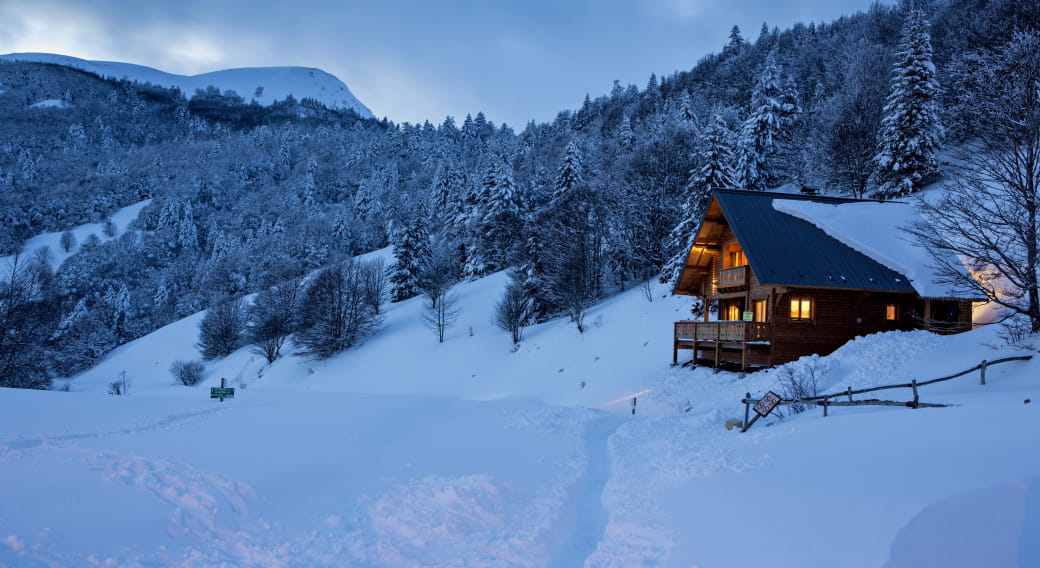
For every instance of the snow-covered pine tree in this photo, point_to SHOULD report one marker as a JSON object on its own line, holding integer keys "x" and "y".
{"x": 715, "y": 159}
{"x": 573, "y": 245}
{"x": 624, "y": 132}
{"x": 411, "y": 249}
{"x": 910, "y": 126}
{"x": 501, "y": 221}
{"x": 686, "y": 114}
{"x": 774, "y": 104}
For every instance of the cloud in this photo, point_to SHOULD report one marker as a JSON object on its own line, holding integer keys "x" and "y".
{"x": 45, "y": 27}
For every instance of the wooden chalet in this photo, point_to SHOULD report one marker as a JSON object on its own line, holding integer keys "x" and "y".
{"x": 784, "y": 288}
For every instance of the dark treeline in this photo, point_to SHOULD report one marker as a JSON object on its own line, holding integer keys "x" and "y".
{"x": 246, "y": 198}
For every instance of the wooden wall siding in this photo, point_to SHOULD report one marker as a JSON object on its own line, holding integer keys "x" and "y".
{"x": 838, "y": 316}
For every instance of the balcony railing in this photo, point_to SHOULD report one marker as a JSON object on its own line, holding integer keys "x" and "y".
{"x": 730, "y": 277}
{"x": 721, "y": 331}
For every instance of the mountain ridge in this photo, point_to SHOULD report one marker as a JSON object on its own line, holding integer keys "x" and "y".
{"x": 262, "y": 84}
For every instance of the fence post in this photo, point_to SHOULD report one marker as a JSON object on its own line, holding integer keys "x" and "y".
{"x": 913, "y": 385}
{"x": 850, "y": 394}
{"x": 747, "y": 407}
{"x": 824, "y": 404}
{"x": 982, "y": 372}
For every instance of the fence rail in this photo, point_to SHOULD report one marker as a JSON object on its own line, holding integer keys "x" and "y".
{"x": 825, "y": 401}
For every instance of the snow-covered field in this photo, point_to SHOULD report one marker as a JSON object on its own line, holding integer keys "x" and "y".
{"x": 406, "y": 452}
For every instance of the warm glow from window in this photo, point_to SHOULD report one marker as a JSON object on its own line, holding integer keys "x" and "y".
{"x": 801, "y": 308}
{"x": 890, "y": 312}
{"x": 733, "y": 312}
{"x": 760, "y": 310}
{"x": 734, "y": 256}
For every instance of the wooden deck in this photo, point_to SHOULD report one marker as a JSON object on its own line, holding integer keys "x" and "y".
{"x": 743, "y": 342}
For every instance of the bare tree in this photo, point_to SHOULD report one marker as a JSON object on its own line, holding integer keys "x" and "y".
{"x": 67, "y": 241}
{"x": 271, "y": 319}
{"x": 220, "y": 331}
{"x": 334, "y": 313}
{"x": 29, "y": 315}
{"x": 990, "y": 213}
{"x": 436, "y": 279}
{"x": 513, "y": 312}
{"x": 375, "y": 281}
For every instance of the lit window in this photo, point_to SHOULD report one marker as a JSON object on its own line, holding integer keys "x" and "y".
{"x": 801, "y": 308}
{"x": 733, "y": 312}
{"x": 890, "y": 312}
{"x": 760, "y": 310}
{"x": 734, "y": 256}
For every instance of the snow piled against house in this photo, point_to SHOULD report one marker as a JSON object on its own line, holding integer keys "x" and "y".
{"x": 876, "y": 230}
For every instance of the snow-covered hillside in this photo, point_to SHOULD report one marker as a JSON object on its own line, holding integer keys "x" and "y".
{"x": 262, "y": 84}
{"x": 117, "y": 224}
{"x": 406, "y": 452}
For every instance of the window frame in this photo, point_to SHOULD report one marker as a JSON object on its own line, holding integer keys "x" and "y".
{"x": 801, "y": 300}
{"x": 764, "y": 304}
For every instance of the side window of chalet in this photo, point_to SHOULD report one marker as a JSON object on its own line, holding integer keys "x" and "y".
{"x": 801, "y": 308}
{"x": 890, "y": 312}
{"x": 759, "y": 307}
{"x": 734, "y": 256}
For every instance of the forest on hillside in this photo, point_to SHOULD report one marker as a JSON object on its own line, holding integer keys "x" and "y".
{"x": 275, "y": 200}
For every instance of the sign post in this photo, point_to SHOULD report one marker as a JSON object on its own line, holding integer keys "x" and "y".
{"x": 222, "y": 391}
{"x": 763, "y": 407}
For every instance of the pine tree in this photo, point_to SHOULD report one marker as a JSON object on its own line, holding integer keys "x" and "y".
{"x": 715, "y": 156}
{"x": 501, "y": 219}
{"x": 411, "y": 249}
{"x": 773, "y": 107}
{"x": 910, "y": 124}
{"x": 572, "y": 250}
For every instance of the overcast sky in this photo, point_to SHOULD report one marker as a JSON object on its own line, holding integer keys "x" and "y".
{"x": 412, "y": 60}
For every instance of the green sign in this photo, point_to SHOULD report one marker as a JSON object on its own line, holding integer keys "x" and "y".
{"x": 749, "y": 316}
{"x": 221, "y": 392}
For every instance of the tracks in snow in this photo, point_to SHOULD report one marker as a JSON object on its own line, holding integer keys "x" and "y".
{"x": 589, "y": 519}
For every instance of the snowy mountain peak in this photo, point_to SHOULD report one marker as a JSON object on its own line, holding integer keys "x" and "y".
{"x": 262, "y": 84}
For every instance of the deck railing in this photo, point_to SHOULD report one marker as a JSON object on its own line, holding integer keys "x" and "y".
{"x": 724, "y": 331}
{"x": 730, "y": 277}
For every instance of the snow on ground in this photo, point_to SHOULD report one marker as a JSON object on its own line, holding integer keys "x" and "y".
{"x": 50, "y": 103}
{"x": 856, "y": 225}
{"x": 265, "y": 85}
{"x": 406, "y": 452}
{"x": 56, "y": 255}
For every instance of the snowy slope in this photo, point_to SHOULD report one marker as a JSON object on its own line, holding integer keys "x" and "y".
{"x": 406, "y": 452}
{"x": 276, "y": 82}
{"x": 121, "y": 219}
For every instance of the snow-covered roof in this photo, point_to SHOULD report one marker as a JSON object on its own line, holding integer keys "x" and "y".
{"x": 876, "y": 230}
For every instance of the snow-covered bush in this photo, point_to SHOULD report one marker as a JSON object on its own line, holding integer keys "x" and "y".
{"x": 800, "y": 379}
{"x": 189, "y": 373}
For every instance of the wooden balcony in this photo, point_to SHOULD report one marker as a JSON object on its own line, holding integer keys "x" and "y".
{"x": 743, "y": 342}
{"x": 733, "y": 277}
{"x": 725, "y": 331}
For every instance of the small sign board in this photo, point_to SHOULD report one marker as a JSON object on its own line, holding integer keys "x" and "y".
{"x": 767, "y": 404}
{"x": 749, "y": 316}
{"x": 222, "y": 392}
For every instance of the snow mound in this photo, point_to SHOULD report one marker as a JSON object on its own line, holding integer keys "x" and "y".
{"x": 262, "y": 84}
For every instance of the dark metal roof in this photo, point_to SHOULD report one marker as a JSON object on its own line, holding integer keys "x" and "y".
{"x": 787, "y": 251}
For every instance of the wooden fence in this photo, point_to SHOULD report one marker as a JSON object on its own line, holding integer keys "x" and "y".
{"x": 825, "y": 400}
